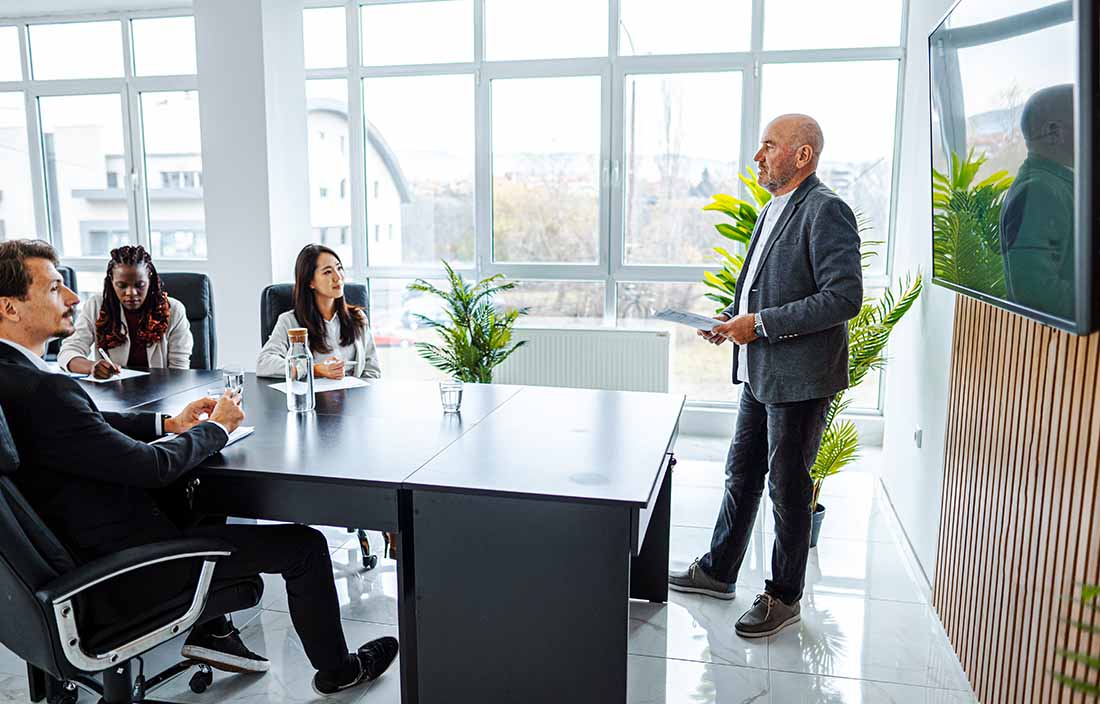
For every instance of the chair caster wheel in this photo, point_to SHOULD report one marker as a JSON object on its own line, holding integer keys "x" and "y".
{"x": 201, "y": 680}
{"x": 369, "y": 562}
{"x": 67, "y": 694}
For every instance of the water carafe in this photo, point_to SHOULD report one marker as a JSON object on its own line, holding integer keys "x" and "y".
{"x": 299, "y": 373}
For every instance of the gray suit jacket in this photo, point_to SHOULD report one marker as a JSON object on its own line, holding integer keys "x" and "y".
{"x": 807, "y": 287}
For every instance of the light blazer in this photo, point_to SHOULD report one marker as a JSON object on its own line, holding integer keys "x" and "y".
{"x": 173, "y": 351}
{"x": 808, "y": 285}
{"x": 272, "y": 359}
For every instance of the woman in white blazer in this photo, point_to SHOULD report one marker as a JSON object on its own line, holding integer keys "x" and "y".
{"x": 133, "y": 321}
{"x": 339, "y": 334}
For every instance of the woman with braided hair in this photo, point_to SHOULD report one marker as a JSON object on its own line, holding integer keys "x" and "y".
{"x": 133, "y": 321}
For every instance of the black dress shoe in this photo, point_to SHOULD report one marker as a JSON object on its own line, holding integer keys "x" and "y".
{"x": 372, "y": 659}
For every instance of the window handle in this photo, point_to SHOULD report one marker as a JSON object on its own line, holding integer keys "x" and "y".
{"x": 605, "y": 174}
{"x": 615, "y": 172}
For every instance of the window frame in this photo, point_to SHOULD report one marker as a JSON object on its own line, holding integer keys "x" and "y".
{"x": 611, "y": 268}
{"x": 129, "y": 87}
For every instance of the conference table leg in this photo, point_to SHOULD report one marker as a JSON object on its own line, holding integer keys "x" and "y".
{"x": 513, "y": 600}
{"x": 406, "y": 598}
{"x": 649, "y": 570}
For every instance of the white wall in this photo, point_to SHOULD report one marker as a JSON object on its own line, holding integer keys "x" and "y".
{"x": 255, "y": 173}
{"x": 920, "y": 348}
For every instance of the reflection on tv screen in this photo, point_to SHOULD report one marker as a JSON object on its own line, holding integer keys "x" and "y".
{"x": 1003, "y": 76}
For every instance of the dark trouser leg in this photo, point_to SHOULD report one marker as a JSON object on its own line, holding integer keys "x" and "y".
{"x": 746, "y": 465}
{"x": 300, "y": 555}
{"x": 794, "y": 436}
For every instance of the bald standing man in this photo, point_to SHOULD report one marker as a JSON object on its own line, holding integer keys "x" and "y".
{"x": 800, "y": 284}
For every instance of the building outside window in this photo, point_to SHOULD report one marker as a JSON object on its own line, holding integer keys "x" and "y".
{"x": 99, "y": 118}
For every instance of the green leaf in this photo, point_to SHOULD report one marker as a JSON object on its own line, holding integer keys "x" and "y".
{"x": 478, "y": 337}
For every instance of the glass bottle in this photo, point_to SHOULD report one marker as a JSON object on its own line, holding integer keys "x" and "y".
{"x": 299, "y": 373}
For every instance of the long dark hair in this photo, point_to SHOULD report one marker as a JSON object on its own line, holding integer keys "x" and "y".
{"x": 154, "y": 311}
{"x": 351, "y": 317}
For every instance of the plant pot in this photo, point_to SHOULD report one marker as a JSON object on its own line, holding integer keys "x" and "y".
{"x": 818, "y": 518}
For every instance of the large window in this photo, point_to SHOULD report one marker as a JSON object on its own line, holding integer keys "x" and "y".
{"x": 571, "y": 146}
{"x": 99, "y": 136}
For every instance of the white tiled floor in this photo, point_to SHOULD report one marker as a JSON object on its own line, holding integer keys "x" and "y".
{"x": 867, "y": 633}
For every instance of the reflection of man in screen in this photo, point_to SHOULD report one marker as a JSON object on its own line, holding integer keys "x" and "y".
{"x": 1038, "y": 213}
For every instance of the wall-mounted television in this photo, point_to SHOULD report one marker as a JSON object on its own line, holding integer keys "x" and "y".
{"x": 1015, "y": 156}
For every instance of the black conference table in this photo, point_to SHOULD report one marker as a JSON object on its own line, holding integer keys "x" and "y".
{"x": 525, "y": 523}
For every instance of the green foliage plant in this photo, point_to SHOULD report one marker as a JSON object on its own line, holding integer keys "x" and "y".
{"x": 477, "y": 336}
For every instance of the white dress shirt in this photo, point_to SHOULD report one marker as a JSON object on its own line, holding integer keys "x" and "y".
{"x": 35, "y": 359}
{"x": 752, "y": 265}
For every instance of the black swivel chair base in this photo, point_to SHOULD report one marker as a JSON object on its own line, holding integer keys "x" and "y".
{"x": 119, "y": 686}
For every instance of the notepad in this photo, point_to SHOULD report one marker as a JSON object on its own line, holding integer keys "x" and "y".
{"x": 242, "y": 431}
{"x": 323, "y": 385}
{"x": 126, "y": 374}
{"x": 692, "y": 320}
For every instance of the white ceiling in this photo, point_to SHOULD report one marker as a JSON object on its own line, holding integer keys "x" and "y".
{"x": 22, "y": 8}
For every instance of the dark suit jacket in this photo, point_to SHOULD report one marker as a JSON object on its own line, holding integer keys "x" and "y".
{"x": 89, "y": 474}
{"x": 807, "y": 287}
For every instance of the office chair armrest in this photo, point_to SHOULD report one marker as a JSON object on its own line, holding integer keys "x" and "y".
{"x": 110, "y": 566}
{"x": 58, "y": 596}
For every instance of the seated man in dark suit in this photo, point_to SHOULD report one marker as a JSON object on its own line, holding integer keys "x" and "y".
{"x": 91, "y": 474}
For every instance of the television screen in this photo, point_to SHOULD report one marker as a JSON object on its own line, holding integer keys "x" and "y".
{"x": 1013, "y": 87}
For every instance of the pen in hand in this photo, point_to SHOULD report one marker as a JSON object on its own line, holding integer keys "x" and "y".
{"x": 118, "y": 370}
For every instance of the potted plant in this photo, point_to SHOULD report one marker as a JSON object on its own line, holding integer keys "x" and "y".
{"x": 868, "y": 332}
{"x": 477, "y": 336}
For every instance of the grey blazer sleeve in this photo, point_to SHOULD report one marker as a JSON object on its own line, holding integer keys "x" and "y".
{"x": 837, "y": 272}
{"x": 371, "y": 370}
{"x": 272, "y": 359}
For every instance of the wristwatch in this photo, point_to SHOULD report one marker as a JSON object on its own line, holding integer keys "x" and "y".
{"x": 758, "y": 326}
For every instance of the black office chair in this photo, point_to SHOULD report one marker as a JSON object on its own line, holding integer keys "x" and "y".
{"x": 46, "y": 595}
{"x": 277, "y": 299}
{"x": 196, "y": 294}
{"x": 68, "y": 277}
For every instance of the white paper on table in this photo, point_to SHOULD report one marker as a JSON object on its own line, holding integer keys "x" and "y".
{"x": 692, "y": 320}
{"x": 323, "y": 385}
{"x": 126, "y": 374}
{"x": 242, "y": 431}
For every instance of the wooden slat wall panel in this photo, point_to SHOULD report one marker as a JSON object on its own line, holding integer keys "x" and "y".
{"x": 1019, "y": 530}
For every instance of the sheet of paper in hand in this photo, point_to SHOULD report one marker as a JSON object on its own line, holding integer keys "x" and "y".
{"x": 692, "y": 320}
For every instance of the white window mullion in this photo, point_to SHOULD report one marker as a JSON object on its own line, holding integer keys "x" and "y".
{"x": 357, "y": 142}
{"x": 483, "y": 167}
{"x": 34, "y": 147}
{"x": 132, "y": 145}
{"x": 751, "y": 93}
{"x": 616, "y": 191}
{"x": 131, "y": 155}
{"x": 612, "y": 160}
{"x": 483, "y": 173}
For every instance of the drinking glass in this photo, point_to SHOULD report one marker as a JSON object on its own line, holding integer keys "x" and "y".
{"x": 450, "y": 395}
{"x": 234, "y": 379}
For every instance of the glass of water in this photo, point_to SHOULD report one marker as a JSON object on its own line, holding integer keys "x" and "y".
{"x": 234, "y": 379}
{"x": 450, "y": 395}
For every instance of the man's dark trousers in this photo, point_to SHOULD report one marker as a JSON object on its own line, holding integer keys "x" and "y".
{"x": 780, "y": 441}
{"x": 301, "y": 555}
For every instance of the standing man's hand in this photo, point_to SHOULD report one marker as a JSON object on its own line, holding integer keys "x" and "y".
{"x": 741, "y": 329}
{"x": 713, "y": 337}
